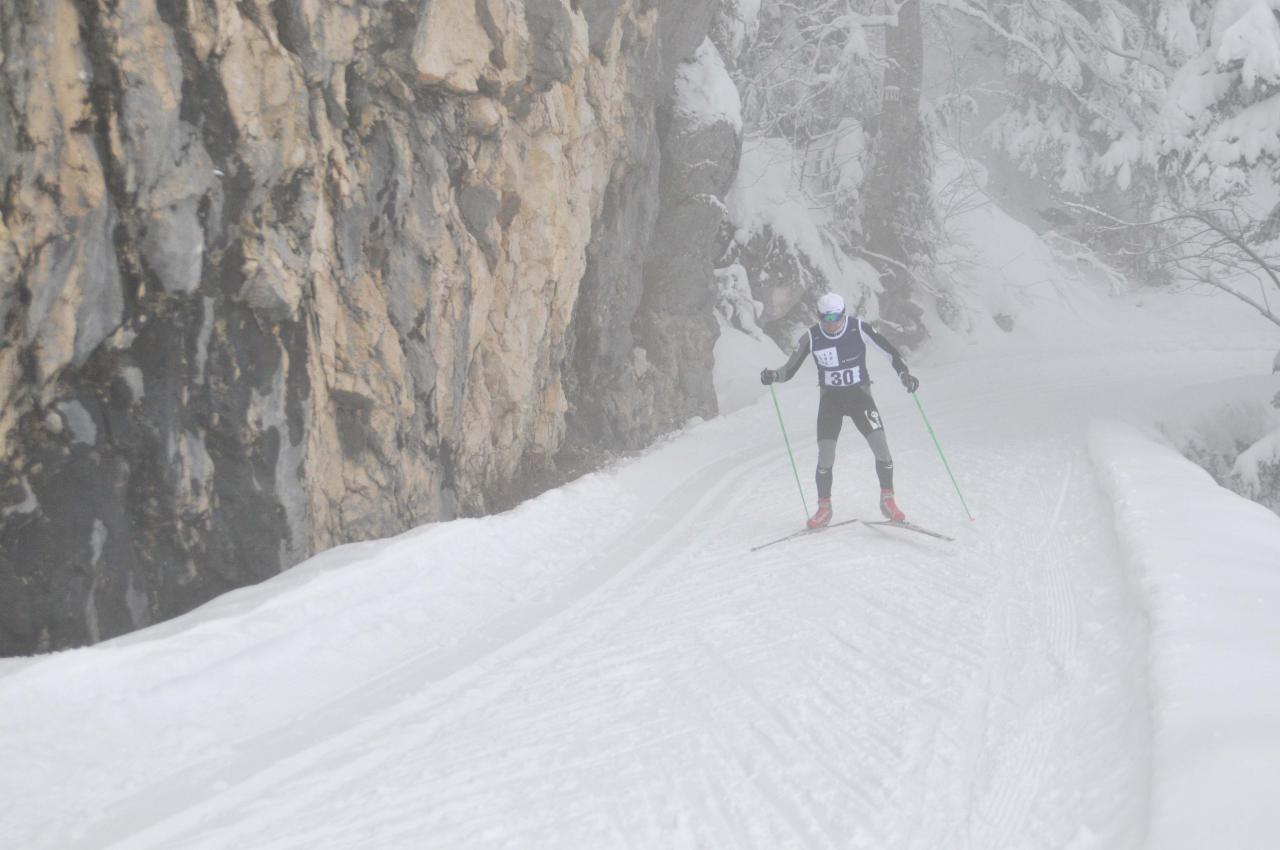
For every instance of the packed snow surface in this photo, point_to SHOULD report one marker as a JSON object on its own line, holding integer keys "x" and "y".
{"x": 1092, "y": 664}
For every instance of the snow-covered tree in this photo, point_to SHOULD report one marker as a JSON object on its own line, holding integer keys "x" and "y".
{"x": 1156, "y": 123}
{"x": 1086, "y": 79}
{"x": 839, "y": 81}
{"x": 1217, "y": 151}
{"x": 1221, "y": 113}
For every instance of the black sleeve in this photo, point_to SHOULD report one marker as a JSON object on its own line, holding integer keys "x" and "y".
{"x": 788, "y": 370}
{"x": 874, "y": 338}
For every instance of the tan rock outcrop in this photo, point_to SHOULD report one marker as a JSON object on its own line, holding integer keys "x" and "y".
{"x": 309, "y": 267}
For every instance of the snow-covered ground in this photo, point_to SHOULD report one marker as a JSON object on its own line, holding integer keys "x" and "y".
{"x": 1094, "y": 663}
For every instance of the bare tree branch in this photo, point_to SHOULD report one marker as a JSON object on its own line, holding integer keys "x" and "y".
{"x": 1209, "y": 279}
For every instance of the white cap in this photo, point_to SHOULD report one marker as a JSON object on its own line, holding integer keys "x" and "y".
{"x": 830, "y": 303}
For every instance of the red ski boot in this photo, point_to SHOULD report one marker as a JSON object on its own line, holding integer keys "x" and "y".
{"x": 890, "y": 508}
{"x": 823, "y": 515}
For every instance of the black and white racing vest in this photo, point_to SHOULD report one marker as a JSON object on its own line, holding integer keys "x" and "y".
{"x": 841, "y": 359}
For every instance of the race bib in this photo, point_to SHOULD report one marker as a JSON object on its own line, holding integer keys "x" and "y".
{"x": 842, "y": 377}
{"x": 828, "y": 358}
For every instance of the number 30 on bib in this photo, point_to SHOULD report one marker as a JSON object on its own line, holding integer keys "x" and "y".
{"x": 843, "y": 377}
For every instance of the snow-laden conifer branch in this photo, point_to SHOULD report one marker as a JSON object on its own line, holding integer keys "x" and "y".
{"x": 1072, "y": 33}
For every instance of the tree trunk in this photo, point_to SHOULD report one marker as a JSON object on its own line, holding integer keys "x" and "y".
{"x": 898, "y": 191}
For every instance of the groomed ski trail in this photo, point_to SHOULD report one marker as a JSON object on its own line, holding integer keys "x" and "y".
{"x": 844, "y": 690}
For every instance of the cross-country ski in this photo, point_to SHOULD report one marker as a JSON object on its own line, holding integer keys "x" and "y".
{"x": 909, "y": 526}
{"x": 802, "y": 533}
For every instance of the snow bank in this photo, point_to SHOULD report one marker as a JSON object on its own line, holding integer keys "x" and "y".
{"x": 1231, "y": 429}
{"x": 705, "y": 92}
{"x": 1006, "y": 286}
{"x": 739, "y": 358}
{"x": 742, "y": 349}
{"x": 1207, "y": 563}
{"x": 86, "y": 729}
{"x": 1253, "y": 462}
{"x": 1009, "y": 291}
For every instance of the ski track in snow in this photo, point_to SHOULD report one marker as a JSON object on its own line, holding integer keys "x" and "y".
{"x": 859, "y": 688}
{"x": 459, "y": 668}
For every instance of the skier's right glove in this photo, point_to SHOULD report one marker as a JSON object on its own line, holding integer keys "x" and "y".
{"x": 768, "y": 376}
{"x": 910, "y": 381}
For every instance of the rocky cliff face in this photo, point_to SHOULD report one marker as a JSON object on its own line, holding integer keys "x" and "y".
{"x": 281, "y": 274}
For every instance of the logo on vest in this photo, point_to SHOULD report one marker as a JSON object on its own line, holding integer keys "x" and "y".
{"x": 827, "y": 357}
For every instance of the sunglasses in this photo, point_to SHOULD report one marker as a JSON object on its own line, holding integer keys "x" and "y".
{"x": 832, "y": 317}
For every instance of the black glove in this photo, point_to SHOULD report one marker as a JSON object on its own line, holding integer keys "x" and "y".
{"x": 768, "y": 376}
{"x": 910, "y": 381}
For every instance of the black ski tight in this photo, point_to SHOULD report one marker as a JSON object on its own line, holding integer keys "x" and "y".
{"x": 856, "y": 403}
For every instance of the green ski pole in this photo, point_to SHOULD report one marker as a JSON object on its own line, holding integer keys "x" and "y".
{"x": 941, "y": 455}
{"x": 796, "y": 472}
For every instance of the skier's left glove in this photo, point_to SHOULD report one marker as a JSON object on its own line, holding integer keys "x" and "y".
{"x": 910, "y": 381}
{"x": 768, "y": 376}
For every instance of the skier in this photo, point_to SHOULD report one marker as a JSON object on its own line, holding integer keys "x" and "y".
{"x": 839, "y": 345}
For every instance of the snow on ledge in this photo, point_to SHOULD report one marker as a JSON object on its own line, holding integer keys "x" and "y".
{"x": 705, "y": 92}
{"x": 1207, "y": 565}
